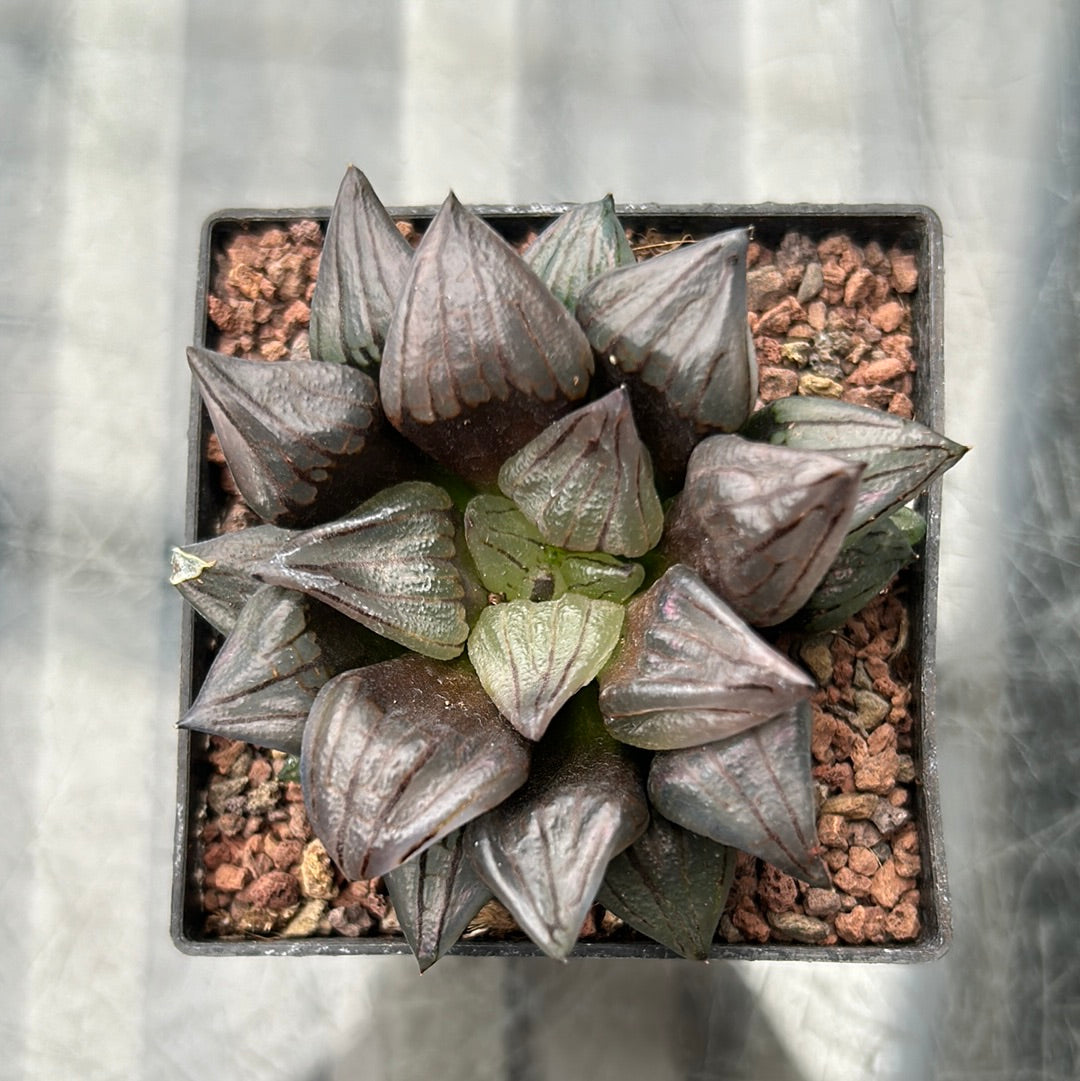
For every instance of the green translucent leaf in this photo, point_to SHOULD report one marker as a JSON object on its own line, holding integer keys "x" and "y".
{"x": 689, "y": 671}
{"x": 513, "y": 560}
{"x": 598, "y": 575}
{"x": 364, "y": 264}
{"x": 215, "y": 576}
{"x": 435, "y": 895}
{"x": 867, "y": 563}
{"x": 901, "y": 456}
{"x": 671, "y": 885}
{"x": 391, "y": 565}
{"x": 544, "y": 851}
{"x": 398, "y": 755}
{"x": 531, "y": 657}
{"x": 587, "y": 483}
{"x": 911, "y": 523}
{"x": 753, "y": 791}
{"x": 579, "y": 245}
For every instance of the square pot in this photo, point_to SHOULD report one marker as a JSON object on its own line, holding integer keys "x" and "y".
{"x": 915, "y": 230}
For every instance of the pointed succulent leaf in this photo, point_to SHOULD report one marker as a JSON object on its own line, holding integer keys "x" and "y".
{"x": 531, "y": 657}
{"x": 671, "y": 885}
{"x": 435, "y": 895}
{"x": 304, "y": 441}
{"x": 867, "y": 563}
{"x": 391, "y": 565}
{"x": 264, "y": 679}
{"x": 545, "y": 850}
{"x": 911, "y": 523}
{"x": 674, "y": 328}
{"x": 753, "y": 791}
{"x": 598, "y": 575}
{"x": 362, "y": 271}
{"x": 398, "y": 755}
{"x": 480, "y": 356}
{"x": 513, "y": 560}
{"x": 901, "y": 456}
{"x": 507, "y": 549}
{"x": 689, "y": 671}
{"x": 214, "y": 576}
{"x": 586, "y": 481}
{"x": 577, "y": 246}
{"x": 761, "y": 524}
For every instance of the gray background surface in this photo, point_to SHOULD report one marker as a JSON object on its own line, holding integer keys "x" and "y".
{"x": 123, "y": 124}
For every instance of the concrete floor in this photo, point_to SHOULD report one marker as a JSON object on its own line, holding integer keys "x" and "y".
{"x": 125, "y": 123}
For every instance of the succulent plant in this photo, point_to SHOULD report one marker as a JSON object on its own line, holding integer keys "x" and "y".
{"x": 508, "y": 667}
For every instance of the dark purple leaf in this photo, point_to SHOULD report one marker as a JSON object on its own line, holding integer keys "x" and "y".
{"x": 901, "y": 456}
{"x": 689, "y": 671}
{"x": 400, "y": 754}
{"x": 480, "y": 356}
{"x": 761, "y": 524}
{"x": 576, "y": 247}
{"x": 544, "y": 851}
{"x": 674, "y": 329}
{"x": 435, "y": 895}
{"x": 264, "y": 679}
{"x": 586, "y": 481}
{"x": 364, "y": 264}
{"x": 391, "y": 565}
{"x": 753, "y": 791}
{"x": 867, "y": 563}
{"x": 671, "y": 885}
{"x": 304, "y": 441}
{"x": 214, "y": 576}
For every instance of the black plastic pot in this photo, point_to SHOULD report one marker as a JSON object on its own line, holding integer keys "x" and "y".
{"x": 915, "y": 227}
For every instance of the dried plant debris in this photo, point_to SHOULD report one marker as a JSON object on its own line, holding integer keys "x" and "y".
{"x": 496, "y": 794}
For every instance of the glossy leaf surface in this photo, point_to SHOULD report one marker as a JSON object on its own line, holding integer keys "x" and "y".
{"x": 265, "y": 677}
{"x": 671, "y": 885}
{"x": 514, "y": 561}
{"x": 531, "y": 657}
{"x": 435, "y": 895}
{"x": 753, "y": 792}
{"x": 362, "y": 271}
{"x": 586, "y": 481}
{"x": 674, "y": 328}
{"x": 689, "y": 671}
{"x": 215, "y": 576}
{"x": 761, "y": 524}
{"x": 867, "y": 563}
{"x": 901, "y": 456}
{"x": 302, "y": 440}
{"x": 400, "y": 754}
{"x": 545, "y": 850}
{"x": 480, "y": 356}
{"x": 391, "y": 564}
{"x": 579, "y": 245}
